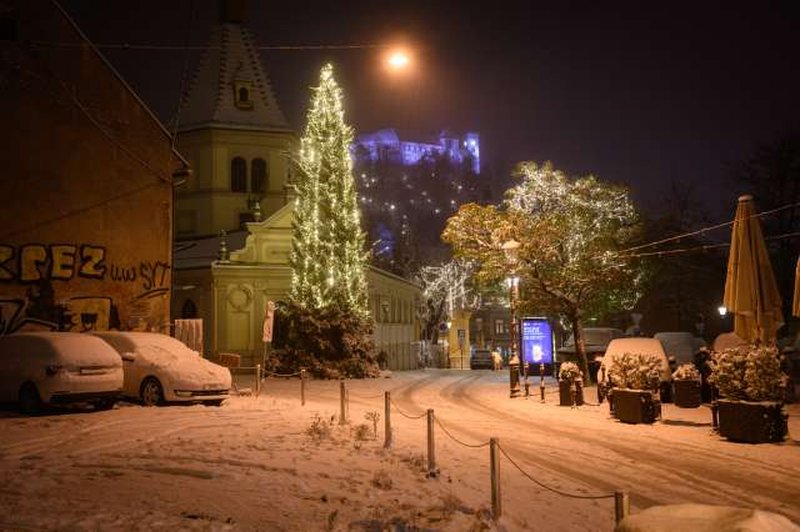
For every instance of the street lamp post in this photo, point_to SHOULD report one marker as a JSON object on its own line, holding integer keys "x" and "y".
{"x": 511, "y": 248}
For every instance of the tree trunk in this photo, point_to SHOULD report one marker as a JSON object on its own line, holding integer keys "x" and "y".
{"x": 580, "y": 346}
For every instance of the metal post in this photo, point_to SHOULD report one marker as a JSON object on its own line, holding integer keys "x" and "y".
{"x": 714, "y": 409}
{"x": 513, "y": 361}
{"x": 302, "y": 387}
{"x": 622, "y": 506}
{"x": 258, "y": 380}
{"x": 494, "y": 467}
{"x": 387, "y": 417}
{"x": 573, "y": 392}
{"x": 342, "y": 407}
{"x": 431, "y": 446}
{"x": 541, "y": 381}
{"x": 610, "y": 396}
{"x": 527, "y": 384}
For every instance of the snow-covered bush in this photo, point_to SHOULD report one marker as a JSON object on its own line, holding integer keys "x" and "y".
{"x": 686, "y": 372}
{"x": 748, "y": 373}
{"x": 635, "y": 371}
{"x": 569, "y": 371}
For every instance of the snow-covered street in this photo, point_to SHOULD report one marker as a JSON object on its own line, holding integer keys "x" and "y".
{"x": 253, "y": 464}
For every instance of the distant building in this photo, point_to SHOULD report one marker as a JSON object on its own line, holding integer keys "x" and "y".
{"x": 86, "y": 192}
{"x": 387, "y": 145}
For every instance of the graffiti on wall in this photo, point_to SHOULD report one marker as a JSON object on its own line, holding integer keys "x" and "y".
{"x": 40, "y": 267}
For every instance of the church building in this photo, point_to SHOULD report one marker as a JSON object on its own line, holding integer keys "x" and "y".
{"x": 234, "y": 214}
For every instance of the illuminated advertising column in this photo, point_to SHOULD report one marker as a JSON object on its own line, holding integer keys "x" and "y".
{"x": 537, "y": 344}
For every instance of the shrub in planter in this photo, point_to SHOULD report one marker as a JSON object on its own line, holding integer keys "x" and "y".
{"x": 751, "y": 385}
{"x": 570, "y": 377}
{"x": 686, "y": 384}
{"x": 634, "y": 397}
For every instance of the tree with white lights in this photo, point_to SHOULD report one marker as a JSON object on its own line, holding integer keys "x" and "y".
{"x": 328, "y": 258}
{"x": 572, "y": 232}
{"x": 326, "y": 322}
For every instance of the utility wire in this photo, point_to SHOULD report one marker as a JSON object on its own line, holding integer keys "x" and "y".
{"x": 190, "y": 47}
{"x": 707, "y": 229}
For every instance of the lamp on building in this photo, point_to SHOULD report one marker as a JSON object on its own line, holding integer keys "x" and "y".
{"x": 723, "y": 311}
{"x": 511, "y": 250}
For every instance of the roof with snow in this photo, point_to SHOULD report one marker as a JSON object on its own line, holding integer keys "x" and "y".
{"x": 231, "y": 62}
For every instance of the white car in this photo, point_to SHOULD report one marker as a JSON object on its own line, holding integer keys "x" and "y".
{"x": 647, "y": 346}
{"x": 55, "y": 368}
{"x": 680, "y": 346}
{"x": 158, "y": 369}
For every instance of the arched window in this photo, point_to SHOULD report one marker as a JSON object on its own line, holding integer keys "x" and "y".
{"x": 189, "y": 310}
{"x": 258, "y": 176}
{"x": 238, "y": 175}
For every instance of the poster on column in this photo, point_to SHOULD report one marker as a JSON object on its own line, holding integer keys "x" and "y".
{"x": 537, "y": 341}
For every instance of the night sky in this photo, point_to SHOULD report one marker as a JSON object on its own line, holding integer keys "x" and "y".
{"x": 638, "y": 93}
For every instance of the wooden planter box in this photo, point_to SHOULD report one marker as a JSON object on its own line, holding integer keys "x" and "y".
{"x": 686, "y": 393}
{"x": 564, "y": 395}
{"x": 635, "y": 406}
{"x": 750, "y": 422}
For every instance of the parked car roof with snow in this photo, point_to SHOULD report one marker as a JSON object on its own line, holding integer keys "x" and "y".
{"x": 159, "y": 368}
{"x": 681, "y": 345}
{"x": 38, "y": 368}
{"x": 621, "y": 346}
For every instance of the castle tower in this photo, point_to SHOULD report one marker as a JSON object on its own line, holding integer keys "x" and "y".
{"x": 233, "y": 133}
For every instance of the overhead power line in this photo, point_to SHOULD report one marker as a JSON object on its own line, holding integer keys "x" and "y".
{"x": 190, "y": 47}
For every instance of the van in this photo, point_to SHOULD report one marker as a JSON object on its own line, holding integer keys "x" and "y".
{"x": 57, "y": 368}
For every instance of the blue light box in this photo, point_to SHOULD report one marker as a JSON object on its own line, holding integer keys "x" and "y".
{"x": 537, "y": 341}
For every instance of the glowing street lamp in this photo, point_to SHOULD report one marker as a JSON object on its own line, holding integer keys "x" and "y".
{"x": 398, "y": 60}
{"x": 511, "y": 250}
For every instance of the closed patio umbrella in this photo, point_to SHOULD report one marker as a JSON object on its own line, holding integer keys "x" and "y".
{"x": 751, "y": 292}
{"x": 796, "y": 301}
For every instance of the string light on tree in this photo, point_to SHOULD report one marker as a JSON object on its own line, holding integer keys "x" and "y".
{"x": 327, "y": 257}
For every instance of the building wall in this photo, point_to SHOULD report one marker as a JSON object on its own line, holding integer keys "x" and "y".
{"x": 232, "y": 296}
{"x": 86, "y": 215}
{"x": 205, "y": 203}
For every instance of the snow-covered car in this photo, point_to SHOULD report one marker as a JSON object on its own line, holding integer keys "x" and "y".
{"x": 683, "y": 346}
{"x": 56, "y": 368}
{"x": 159, "y": 369}
{"x": 596, "y": 340}
{"x": 646, "y": 346}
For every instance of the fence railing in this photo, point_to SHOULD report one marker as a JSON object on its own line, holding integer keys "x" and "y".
{"x": 496, "y": 450}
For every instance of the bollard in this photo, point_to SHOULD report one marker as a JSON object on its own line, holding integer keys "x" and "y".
{"x": 714, "y": 410}
{"x": 431, "y": 446}
{"x": 541, "y": 381}
{"x": 258, "y": 380}
{"x": 573, "y": 393}
{"x": 494, "y": 468}
{"x": 513, "y": 375}
{"x": 527, "y": 383}
{"x": 610, "y": 396}
{"x": 622, "y": 506}
{"x": 387, "y": 418}
{"x": 342, "y": 401}
{"x": 302, "y": 387}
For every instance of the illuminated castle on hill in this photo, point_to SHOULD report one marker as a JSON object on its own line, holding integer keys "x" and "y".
{"x": 385, "y": 144}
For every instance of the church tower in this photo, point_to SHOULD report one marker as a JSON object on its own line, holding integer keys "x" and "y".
{"x": 234, "y": 135}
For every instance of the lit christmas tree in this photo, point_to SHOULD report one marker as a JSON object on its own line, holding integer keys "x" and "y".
{"x": 328, "y": 258}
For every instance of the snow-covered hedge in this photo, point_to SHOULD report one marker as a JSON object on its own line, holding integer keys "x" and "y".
{"x": 686, "y": 372}
{"x": 635, "y": 371}
{"x": 748, "y": 373}
{"x": 569, "y": 371}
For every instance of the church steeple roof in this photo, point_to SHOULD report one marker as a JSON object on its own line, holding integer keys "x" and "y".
{"x": 230, "y": 87}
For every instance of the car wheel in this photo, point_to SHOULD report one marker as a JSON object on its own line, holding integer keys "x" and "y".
{"x": 29, "y": 401}
{"x": 151, "y": 392}
{"x": 215, "y": 402}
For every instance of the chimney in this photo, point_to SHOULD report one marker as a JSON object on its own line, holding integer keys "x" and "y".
{"x": 232, "y": 11}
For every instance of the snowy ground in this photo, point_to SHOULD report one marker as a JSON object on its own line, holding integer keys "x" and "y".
{"x": 251, "y": 464}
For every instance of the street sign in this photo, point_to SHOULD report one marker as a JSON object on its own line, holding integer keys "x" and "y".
{"x": 269, "y": 320}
